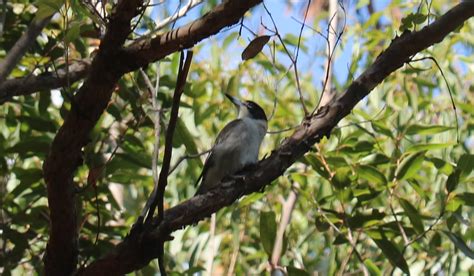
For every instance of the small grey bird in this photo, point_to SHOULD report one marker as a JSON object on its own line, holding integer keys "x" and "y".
{"x": 236, "y": 146}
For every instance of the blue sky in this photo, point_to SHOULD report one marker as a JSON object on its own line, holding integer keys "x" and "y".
{"x": 286, "y": 25}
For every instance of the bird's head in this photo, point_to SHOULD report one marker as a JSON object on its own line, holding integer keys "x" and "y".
{"x": 248, "y": 109}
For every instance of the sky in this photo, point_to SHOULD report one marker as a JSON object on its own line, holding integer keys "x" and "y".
{"x": 286, "y": 25}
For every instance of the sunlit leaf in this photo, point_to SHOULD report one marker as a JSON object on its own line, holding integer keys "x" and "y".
{"x": 426, "y": 130}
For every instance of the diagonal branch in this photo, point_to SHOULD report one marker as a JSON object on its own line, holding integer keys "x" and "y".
{"x": 137, "y": 250}
{"x": 21, "y": 46}
{"x": 143, "y": 52}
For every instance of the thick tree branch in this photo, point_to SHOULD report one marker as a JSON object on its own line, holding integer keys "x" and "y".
{"x": 65, "y": 154}
{"x": 31, "y": 84}
{"x": 21, "y": 46}
{"x": 138, "y": 249}
{"x": 226, "y": 14}
{"x": 143, "y": 52}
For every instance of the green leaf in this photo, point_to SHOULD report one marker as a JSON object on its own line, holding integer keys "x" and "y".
{"x": 426, "y": 130}
{"x": 250, "y": 199}
{"x": 31, "y": 144}
{"x": 317, "y": 165}
{"x": 441, "y": 165}
{"x": 392, "y": 253}
{"x": 374, "y": 159}
{"x": 468, "y": 198}
{"x": 371, "y": 174}
{"x": 38, "y": 123}
{"x": 73, "y": 32}
{"x": 143, "y": 160}
{"x": 453, "y": 180}
{"x": 321, "y": 224}
{"x": 47, "y": 8}
{"x": 410, "y": 166}
{"x": 425, "y": 147}
{"x": 380, "y": 127}
{"x": 466, "y": 163}
{"x": 460, "y": 244}
{"x": 373, "y": 268}
{"x": 341, "y": 178}
{"x": 293, "y": 271}
{"x": 413, "y": 215}
{"x": 454, "y": 204}
{"x": 268, "y": 229}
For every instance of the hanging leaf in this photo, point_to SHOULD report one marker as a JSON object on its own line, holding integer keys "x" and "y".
{"x": 255, "y": 47}
{"x": 460, "y": 244}
{"x": 466, "y": 163}
{"x": 268, "y": 229}
{"x": 413, "y": 215}
{"x": 392, "y": 253}
{"x": 453, "y": 180}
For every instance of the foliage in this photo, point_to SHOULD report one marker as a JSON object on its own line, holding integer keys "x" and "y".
{"x": 392, "y": 188}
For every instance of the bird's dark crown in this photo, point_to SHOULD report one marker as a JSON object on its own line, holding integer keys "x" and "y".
{"x": 256, "y": 112}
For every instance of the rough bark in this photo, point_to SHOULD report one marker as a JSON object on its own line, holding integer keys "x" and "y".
{"x": 31, "y": 84}
{"x": 140, "y": 246}
{"x": 65, "y": 154}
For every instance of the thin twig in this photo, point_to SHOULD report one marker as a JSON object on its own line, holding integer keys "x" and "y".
{"x": 157, "y": 132}
{"x": 327, "y": 93}
{"x": 281, "y": 131}
{"x": 288, "y": 207}
{"x": 212, "y": 245}
{"x": 180, "y": 12}
{"x": 185, "y": 157}
{"x": 331, "y": 53}
{"x": 449, "y": 90}
{"x": 163, "y": 178}
{"x": 235, "y": 253}
{"x": 292, "y": 59}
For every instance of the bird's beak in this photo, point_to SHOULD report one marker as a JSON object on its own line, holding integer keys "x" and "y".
{"x": 234, "y": 100}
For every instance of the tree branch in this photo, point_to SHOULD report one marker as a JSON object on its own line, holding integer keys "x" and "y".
{"x": 287, "y": 210}
{"x": 143, "y": 52}
{"x": 21, "y": 46}
{"x": 31, "y": 84}
{"x": 137, "y": 250}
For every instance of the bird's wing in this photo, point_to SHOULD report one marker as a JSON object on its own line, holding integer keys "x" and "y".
{"x": 223, "y": 135}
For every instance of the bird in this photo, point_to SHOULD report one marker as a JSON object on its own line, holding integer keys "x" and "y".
{"x": 237, "y": 145}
